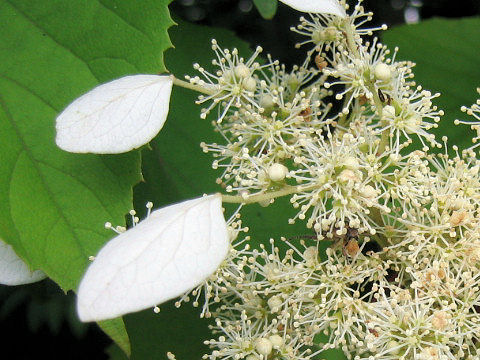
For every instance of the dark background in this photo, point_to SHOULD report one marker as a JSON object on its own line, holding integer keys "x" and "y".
{"x": 275, "y": 36}
{"x": 38, "y": 320}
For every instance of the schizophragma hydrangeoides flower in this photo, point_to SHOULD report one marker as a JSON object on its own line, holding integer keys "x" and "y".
{"x": 391, "y": 268}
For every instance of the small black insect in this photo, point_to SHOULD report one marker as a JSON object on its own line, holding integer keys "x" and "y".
{"x": 384, "y": 98}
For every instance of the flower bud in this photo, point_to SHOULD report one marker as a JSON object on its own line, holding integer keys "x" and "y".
{"x": 274, "y": 303}
{"x": 382, "y": 72}
{"x": 263, "y": 346}
{"x": 393, "y": 347}
{"x": 412, "y": 124}
{"x": 266, "y": 101}
{"x": 440, "y": 320}
{"x": 458, "y": 217}
{"x": 226, "y": 77}
{"x": 277, "y": 172}
{"x": 368, "y": 192}
{"x": 310, "y": 255}
{"x": 250, "y": 84}
{"x": 348, "y": 175}
{"x": 276, "y": 340}
{"x": 351, "y": 163}
{"x": 242, "y": 71}
{"x": 389, "y": 111}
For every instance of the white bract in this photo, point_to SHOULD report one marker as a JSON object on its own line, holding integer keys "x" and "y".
{"x": 317, "y": 6}
{"x": 115, "y": 117}
{"x": 13, "y": 271}
{"x": 170, "y": 252}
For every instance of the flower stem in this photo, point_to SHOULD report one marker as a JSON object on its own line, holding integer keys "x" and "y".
{"x": 352, "y": 46}
{"x": 187, "y": 85}
{"x": 265, "y": 196}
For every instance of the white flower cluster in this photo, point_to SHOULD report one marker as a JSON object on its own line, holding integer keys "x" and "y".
{"x": 400, "y": 278}
{"x": 281, "y": 131}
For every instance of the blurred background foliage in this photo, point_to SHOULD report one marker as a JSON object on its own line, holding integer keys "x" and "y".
{"x": 39, "y": 320}
{"x": 274, "y": 35}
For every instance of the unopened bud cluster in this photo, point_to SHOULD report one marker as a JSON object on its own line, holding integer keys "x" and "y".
{"x": 400, "y": 278}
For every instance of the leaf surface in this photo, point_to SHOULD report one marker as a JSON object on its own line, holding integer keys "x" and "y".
{"x": 266, "y": 8}
{"x": 115, "y": 328}
{"x": 54, "y": 204}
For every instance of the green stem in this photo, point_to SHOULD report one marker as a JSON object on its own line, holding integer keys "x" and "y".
{"x": 379, "y": 109}
{"x": 352, "y": 46}
{"x": 265, "y": 196}
{"x": 345, "y": 118}
{"x": 197, "y": 88}
{"x": 383, "y": 142}
{"x": 376, "y": 216}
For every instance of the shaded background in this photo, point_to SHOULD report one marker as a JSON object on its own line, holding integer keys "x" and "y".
{"x": 38, "y": 320}
{"x": 275, "y": 36}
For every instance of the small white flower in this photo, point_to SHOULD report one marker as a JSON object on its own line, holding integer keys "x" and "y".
{"x": 232, "y": 85}
{"x": 263, "y": 346}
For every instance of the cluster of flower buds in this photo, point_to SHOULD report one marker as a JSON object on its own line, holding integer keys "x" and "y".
{"x": 340, "y": 135}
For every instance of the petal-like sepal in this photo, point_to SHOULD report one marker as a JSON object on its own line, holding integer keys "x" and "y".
{"x": 115, "y": 117}
{"x": 170, "y": 252}
{"x": 332, "y": 7}
{"x": 13, "y": 271}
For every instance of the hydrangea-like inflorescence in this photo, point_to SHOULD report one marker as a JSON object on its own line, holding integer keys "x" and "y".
{"x": 391, "y": 270}
{"x": 400, "y": 277}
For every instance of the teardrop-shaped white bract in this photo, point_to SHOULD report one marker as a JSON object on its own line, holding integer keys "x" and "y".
{"x": 172, "y": 251}
{"x": 332, "y": 7}
{"x": 115, "y": 117}
{"x": 13, "y": 271}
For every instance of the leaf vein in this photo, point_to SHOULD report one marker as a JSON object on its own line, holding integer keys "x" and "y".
{"x": 40, "y": 174}
{"x": 31, "y": 21}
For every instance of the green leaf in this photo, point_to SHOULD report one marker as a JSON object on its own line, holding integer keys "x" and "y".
{"x": 115, "y": 328}
{"x": 115, "y": 353}
{"x": 53, "y": 203}
{"x": 266, "y": 8}
{"x": 446, "y": 53}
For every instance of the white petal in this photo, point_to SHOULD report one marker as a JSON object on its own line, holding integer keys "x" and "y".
{"x": 172, "y": 251}
{"x": 317, "y": 6}
{"x": 115, "y": 117}
{"x": 13, "y": 271}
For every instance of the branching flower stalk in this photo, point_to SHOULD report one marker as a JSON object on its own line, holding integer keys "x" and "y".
{"x": 400, "y": 278}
